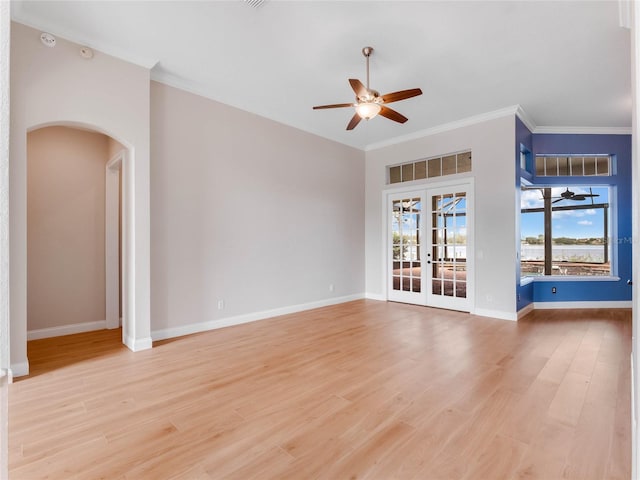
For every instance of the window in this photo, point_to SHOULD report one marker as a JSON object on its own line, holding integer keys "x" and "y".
{"x": 429, "y": 168}
{"x": 525, "y": 159}
{"x": 565, "y": 231}
{"x": 573, "y": 165}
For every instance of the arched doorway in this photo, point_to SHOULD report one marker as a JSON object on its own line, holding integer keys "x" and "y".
{"x": 56, "y": 281}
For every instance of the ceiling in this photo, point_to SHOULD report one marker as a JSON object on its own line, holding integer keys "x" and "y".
{"x": 567, "y": 64}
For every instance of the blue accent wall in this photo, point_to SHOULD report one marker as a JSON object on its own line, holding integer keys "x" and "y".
{"x": 619, "y": 146}
{"x": 524, "y": 139}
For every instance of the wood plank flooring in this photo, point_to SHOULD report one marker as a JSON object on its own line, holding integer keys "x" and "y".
{"x": 365, "y": 389}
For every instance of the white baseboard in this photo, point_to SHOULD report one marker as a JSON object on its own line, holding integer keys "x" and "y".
{"x": 603, "y": 304}
{"x": 18, "y": 370}
{"x": 66, "y": 330}
{"x": 482, "y": 312}
{"x": 137, "y": 345}
{"x": 525, "y": 310}
{"x": 250, "y": 317}
{"x": 375, "y": 296}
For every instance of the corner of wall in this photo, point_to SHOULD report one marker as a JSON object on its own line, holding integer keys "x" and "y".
{"x": 525, "y": 310}
{"x": 499, "y": 314}
{"x": 137, "y": 344}
{"x": 19, "y": 369}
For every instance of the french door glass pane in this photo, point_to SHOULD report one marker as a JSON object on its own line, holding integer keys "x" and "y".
{"x": 449, "y": 245}
{"x": 405, "y": 230}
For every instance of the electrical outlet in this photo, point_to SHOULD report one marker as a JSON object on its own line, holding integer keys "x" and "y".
{"x": 553, "y": 290}
{"x": 220, "y": 304}
{"x": 331, "y": 287}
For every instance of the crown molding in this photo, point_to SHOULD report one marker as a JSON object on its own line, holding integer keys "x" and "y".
{"x": 533, "y": 128}
{"x": 73, "y": 37}
{"x": 513, "y": 110}
{"x": 185, "y": 85}
{"x": 526, "y": 119}
{"x": 465, "y": 122}
{"x": 584, "y": 130}
{"x": 516, "y": 110}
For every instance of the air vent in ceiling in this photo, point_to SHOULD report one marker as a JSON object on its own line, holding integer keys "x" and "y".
{"x": 255, "y": 3}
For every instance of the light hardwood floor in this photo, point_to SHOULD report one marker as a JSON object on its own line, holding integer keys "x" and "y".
{"x": 365, "y": 389}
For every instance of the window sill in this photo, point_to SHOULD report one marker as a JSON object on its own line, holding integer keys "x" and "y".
{"x": 568, "y": 278}
{"x": 526, "y": 281}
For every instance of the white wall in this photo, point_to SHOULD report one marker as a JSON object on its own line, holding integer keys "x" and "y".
{"x": 5, "y": 27}
{"x": 492, "y": 145}
{"x": 115, "y": 149}
{"x": 65, "y": 227}
{"x": 58, "y": 86}
{"x": 248, "y": 211}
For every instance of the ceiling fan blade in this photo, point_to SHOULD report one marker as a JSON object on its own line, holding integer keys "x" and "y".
{"x": 401, "y": 95}
{"x": 335, "y": 105}
{"x": 358, "y": 87}
{"x": 355, "y": 120}
{"x": 392, "y": 115}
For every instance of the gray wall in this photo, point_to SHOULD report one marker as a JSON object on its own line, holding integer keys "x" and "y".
{"x": 248, "y": 211}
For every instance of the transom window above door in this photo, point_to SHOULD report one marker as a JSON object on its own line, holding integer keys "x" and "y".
{"x": 443, "y": 165}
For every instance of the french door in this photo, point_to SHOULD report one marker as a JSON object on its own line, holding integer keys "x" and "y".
{"x": 428, "y": 247}
{"x": 406, "y": 275}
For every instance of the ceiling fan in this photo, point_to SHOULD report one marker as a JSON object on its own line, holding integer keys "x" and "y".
{"x": 370, "y": 103}
{"x": 569, "y": 195}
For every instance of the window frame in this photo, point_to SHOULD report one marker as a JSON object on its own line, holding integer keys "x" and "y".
{"x": 610, "y": 227}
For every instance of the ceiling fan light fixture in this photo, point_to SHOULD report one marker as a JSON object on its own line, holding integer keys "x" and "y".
{"x": 368, "y": 110}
